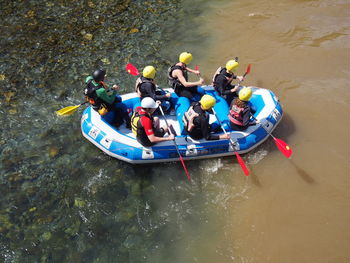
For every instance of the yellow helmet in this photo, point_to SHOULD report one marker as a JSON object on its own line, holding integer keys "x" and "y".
{"x": 245, "y": 94}
{"x": 231, "y": 65}
{"x": 207, "y": 102}
{"x": 185, "y": 57}
{"x": 149, "y": 72}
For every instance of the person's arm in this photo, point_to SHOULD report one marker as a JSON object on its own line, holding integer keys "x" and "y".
{"x": 197, "y": 72}
{"x": 251, "y": 117}
{"x": 155, "y": 139}
{"x": 178, "y": 73}
{"x": 240, "y": 78}
{"x": 222, "y": 82}
{"x": 206, "y": 130}
{"x": 147, "y": 90}
{"x": 163, "y": 97}
{"x": 147, "y": 125}
{"x": 247, "y": 114}
{"x": 204, "y": 124}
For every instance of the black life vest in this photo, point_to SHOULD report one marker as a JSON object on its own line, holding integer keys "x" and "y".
{"x": 138, "y": 129}
{"x": 236, "y": 115}
{"x": 90, "y": 93}
{"x": 141, "y": 80}
{"x": 174, "y": 82}
{"x": 221, "y": 71}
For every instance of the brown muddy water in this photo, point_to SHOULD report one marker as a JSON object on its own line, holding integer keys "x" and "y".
{"x": 295, "y": 210}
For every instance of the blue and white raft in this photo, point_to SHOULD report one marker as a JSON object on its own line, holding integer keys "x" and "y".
{"x": 122, "y": 144}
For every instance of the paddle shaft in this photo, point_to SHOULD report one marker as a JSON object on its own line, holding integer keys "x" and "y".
{"x": 69, "y": 110}
{"x": 240, "y": 160}
{"x": 176, "y": 146}
{"x": 283, "y": 147}
{"x": 222, "y": 127}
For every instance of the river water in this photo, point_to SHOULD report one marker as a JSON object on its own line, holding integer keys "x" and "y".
{"x": 63, "y": 200}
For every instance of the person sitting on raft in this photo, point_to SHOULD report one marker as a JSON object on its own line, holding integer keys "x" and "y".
{"x": 178, "y": 78}
{"x": 146, "y": 87}
{"x": 196, "y": 120}
{"x": 222, "y": 81}
{"x": 240, "y": 111}
{"x": 104, "y": 99}
{"x": 146, "y": 127}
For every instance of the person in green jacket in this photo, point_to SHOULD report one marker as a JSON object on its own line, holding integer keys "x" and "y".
{"x": 104, "y": 99}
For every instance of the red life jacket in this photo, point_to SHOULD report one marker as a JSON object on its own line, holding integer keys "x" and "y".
{"x": 236, "y": 115}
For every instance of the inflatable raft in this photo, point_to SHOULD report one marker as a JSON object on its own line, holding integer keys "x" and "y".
{"x": 122, "y": 144}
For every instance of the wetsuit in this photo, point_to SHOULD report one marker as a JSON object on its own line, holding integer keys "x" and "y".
{"x": 223, "y": 86}
{"x": 201, "y": 128}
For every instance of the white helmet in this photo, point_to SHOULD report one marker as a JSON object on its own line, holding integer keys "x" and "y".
{"x": 149, "y": 103}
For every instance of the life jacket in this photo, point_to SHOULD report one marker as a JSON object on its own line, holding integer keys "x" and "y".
{"x": 221, "y": 71}
{"x": 174, "y": 82}
{"x": 188, "y": 118}
{"x": 217, "y": 72}
{"x": 92, "y": 98}
{"x": 139, "y": 82}
{"x": 236, "y": 115}
{"x": 90, "y": 90}
{"x": 138, "y": 129}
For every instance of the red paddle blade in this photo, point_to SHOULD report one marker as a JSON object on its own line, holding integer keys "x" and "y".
{"x": 242, "y": 164}
{"x": 184, "y": 166}
{"x": 196, "y": 67}
{"x": 131, "y": 69}
{"x": 283, "y": 147}
{"x": 248, "y": 70}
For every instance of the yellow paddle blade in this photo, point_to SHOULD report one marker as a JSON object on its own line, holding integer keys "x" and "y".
{"x": 67, "y": 110}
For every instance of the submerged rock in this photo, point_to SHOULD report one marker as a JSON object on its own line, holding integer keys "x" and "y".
{"x": 47, "y": 236}
{"x": 78, "y": 202}
{"x": 53, "y": 151}
{"x": 88, "y": 36}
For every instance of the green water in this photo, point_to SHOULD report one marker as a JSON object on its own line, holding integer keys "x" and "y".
{"x": 62, "y": 199}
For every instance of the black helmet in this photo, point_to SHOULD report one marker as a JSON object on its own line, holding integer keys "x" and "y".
{"x": 99, "y": 75}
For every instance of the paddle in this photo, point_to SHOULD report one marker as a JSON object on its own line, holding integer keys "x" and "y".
{"x": 199, "y": 74}
{"x": 281, "y": 145}
{"x": 177, "y": 148}
{"x": 245, "y": 74}
{"x": 69, "y": 110}
{"x": 131, "y": 69}
{"x": 240, "y": 160}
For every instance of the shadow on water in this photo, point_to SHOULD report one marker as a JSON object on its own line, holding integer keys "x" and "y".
{"x": 255, "y": 178}
{"x": 303, "y": 174}
{"x": 286, "y": 127}
{"x": 284, "y": 130}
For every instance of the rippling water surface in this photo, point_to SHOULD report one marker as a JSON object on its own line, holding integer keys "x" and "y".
{"x": 63, "y": 200}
